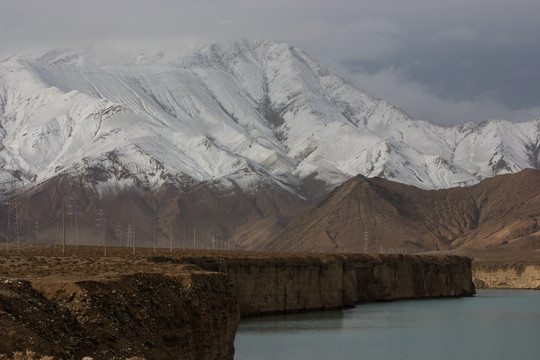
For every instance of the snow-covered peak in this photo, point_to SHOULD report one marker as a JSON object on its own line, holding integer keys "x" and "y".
{"x": 230, "y": 114}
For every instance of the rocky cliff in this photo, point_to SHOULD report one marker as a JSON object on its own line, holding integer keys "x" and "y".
{"x": 187, "y": 305}
{"x": 506, "y": 275}
{"x": 175, "y": 312}
{"x": 306, "y": 282}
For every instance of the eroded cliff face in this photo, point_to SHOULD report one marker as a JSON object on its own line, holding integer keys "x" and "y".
{"x": 411, "y": 276}
{"x": 190, "y": 316}
{"x": 292, "y": 283}
{"x": 506, "y": 275}
{"x": 188, "y": 305}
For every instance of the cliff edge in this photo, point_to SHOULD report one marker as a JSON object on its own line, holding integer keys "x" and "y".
{"x": 309, "y": 282}
{"x": 188, "y": 304}
{"x": 105, "y": 308}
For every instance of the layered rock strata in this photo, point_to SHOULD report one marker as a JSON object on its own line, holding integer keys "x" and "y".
{"x": 188, "y": 305}
{"x": 309, "y": 282}
{"x": 506, "y": 275}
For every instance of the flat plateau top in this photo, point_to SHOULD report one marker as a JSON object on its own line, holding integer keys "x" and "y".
{"x": 36, "y": 262}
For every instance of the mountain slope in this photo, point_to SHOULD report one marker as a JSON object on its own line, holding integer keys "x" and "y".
{"x": 188, "y": 218}
{"x": 262, "y": 108}
{"x": 503, "y": 212}
{"x": 260, "y": 126}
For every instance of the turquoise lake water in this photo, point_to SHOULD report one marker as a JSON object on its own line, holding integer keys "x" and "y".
{"x": 494, "y": 325}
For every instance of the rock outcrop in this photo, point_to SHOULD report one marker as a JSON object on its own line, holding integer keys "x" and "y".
{"x": 308, "y": 282}
{"x": 506, "y": 275}
{"x": 188, "y": 305}
{"x": 145, "y": 315}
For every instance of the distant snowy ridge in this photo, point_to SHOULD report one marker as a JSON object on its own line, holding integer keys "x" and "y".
{"x": 237, "y": 115}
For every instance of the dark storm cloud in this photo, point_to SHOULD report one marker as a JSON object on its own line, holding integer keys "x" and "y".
{"x": 473, "y": 71}
{"x": 444, "y": 61}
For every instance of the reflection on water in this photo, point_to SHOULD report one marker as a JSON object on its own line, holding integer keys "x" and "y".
{"x": 495, "y": 324}
{"x": 294, "y": 323}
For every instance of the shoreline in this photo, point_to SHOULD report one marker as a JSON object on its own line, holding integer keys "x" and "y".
{"x": 154, "y": 305}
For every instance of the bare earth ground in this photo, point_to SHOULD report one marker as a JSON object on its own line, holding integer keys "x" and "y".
{"x": 498, "y": 254}
{"x": 85, "y": 304}
{"x": 42, "y": 290}
{"x": 37, "y": 261}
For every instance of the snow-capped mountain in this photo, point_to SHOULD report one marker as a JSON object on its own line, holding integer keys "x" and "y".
{"x": 236, "y": 115}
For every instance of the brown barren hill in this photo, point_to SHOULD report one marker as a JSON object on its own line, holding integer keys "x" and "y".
{"x": 501, "y": 213}
{"x": 241, "y": 219}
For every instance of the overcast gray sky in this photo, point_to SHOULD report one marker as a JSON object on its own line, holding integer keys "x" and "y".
{"x": 447, "y": 61}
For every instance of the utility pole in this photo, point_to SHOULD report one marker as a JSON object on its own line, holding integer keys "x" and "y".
{"x": 118, "y": 233}
{"x": 36, "y": 231}
{"x": 366, "y": 242}
{"x": 154, "y": 236}
{"x": 129, "y": 236}
{"x": 171, "y": 240}
{"x": 194, "y": 245}
{"x": 9, "y": 188}
{"x": 63, "y": 230}
{"x": 365, "y": 237}
{"x": 105, "y": 234}
{"x": 13, "y": 233}
{"x": 73, "y": 213}
{"x": 101, "y": 224}
{"x": 134, "y": 233}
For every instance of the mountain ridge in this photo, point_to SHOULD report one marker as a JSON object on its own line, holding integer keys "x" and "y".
{"x": 499, "y": 213}
{"x": 259, "y": 105}
{"x": 260, "y": 122}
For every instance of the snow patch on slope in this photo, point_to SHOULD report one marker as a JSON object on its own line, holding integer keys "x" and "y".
{"x": 232, "y": 115}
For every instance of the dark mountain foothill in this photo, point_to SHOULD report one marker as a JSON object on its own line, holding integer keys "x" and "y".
{"x": 498, "y": 216}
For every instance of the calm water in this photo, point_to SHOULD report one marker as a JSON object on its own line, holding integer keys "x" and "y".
{"x": 494, "y": 325}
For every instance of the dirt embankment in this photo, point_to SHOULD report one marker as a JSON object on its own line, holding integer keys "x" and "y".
{"x": 496, "y": 274}
{"x": 187, "y": 305}
{"x": 164, "y": 312}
